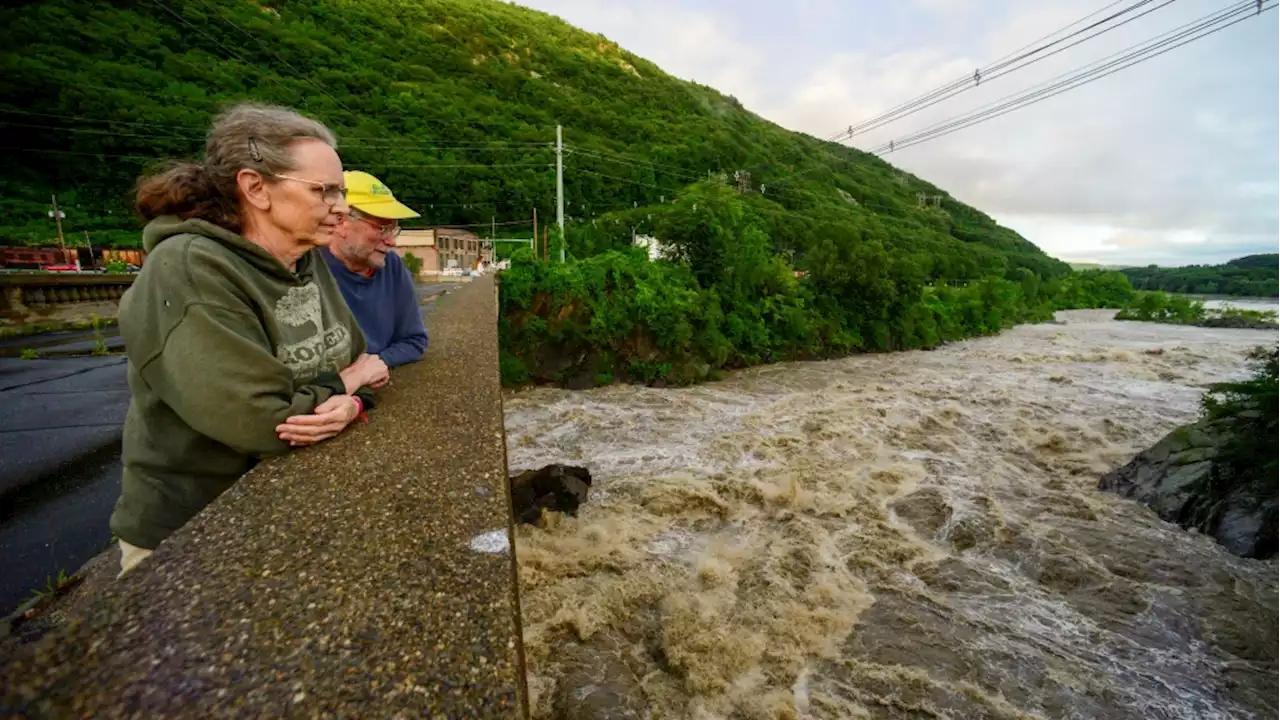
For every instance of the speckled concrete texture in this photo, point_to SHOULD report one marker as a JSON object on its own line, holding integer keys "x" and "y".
{"x": 339, "y": 581}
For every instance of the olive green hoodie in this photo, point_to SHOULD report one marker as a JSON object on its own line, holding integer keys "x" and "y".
{"x": 224, "y": 343}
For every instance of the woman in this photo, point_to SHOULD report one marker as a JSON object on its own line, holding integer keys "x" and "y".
{"x": 240, "y": 345}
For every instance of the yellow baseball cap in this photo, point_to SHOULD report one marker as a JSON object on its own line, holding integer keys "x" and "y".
{"x": 367, "y": 194}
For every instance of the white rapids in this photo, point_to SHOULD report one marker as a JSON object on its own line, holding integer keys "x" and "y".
{"x": 907, "y": 535}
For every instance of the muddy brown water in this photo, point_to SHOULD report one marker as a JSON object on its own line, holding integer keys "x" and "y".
{"x": 912, "y": 535}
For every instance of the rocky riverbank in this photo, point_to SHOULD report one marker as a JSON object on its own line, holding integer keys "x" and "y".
{"x": 1217, "y": 475}
{"x": 1175, "y": 478}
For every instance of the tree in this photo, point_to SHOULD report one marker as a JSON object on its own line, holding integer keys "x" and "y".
{"x": 413, "y": 264}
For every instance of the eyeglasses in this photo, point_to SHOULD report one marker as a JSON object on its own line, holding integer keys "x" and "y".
{"x": 389, "y": 231}
{"x": 330, "y": 192}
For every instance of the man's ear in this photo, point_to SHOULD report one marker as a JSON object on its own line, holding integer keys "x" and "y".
{"x": 253, "y": 188}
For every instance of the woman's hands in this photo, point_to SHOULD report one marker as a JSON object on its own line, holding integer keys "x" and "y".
{"x": 330, "y": 418}
{"x": 367, "y": 370}
{"x": 333, "y": 415}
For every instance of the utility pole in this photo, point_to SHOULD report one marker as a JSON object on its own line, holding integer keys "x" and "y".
{"x": 560, "y": 187}
{"x": 533, "y": 241}
{"x": 57, "y": 216}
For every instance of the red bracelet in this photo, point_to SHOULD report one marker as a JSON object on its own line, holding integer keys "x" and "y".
{"x": 360, "y": 408}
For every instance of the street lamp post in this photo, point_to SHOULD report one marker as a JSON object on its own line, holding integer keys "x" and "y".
{"x": 57, "y": 216}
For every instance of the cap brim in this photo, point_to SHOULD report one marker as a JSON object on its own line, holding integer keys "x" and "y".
{"x": 387, "y": 210}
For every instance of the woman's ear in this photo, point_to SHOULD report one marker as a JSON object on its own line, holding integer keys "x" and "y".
{"x": 253, "y": 188}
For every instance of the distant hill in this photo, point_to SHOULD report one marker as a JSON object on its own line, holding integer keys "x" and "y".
{"x": 1258, "y": 262}
{"x": 1251, "y": 276}
{"x": 454, "y": 103}
{"x": 1094, "y": 266}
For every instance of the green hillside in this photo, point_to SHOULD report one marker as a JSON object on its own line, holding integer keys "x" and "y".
{"x": 1251, "y": 275}
{"x": 453, "y": 103}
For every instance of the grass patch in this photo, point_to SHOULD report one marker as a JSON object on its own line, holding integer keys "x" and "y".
{"x": 53, "y": 584}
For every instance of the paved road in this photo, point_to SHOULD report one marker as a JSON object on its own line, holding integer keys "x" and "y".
{"x": 53, "y": 412}
{"x": 56, "y": 524}
{"x": 60, "y": 427}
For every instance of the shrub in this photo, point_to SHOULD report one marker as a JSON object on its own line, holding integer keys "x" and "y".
{"x": 1162, "y": 308}
{"x": 728, "y": 300}
{"x": 1250, "y": 409}
{"x": 413, "y": 264}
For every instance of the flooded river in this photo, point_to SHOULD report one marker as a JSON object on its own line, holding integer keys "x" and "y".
{"x": 912, "y": 535}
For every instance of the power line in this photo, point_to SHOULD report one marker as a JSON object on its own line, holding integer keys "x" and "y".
{"x": 628, "y": 163}
{"x": 149, "y": 158}
{"x": 948, "y": 92}
{"x": 1082, "y": 78}
{"x": 1075, "y": 73}
{"x": 1055, "y": 32}
{"x": 117, "y": 133}
{"x": 458, "y": 165}
{"x": 355, "y": 141}
{"x": 214, "y": 40}
{"x": 621, "y": 179}
{"x": 96, "y": 120}
{"x": 630, "y": 160}
{"x": 958, "y": 82}
{"x": 782, "y": 182}
{"x": 963, "y": 123}
{"x": 426, "y": 200}
{"x": 411, "y": 145}
{"x": 157, "y": 94}
{"x": 487, "y": 224}
{"x": 100, "y": 131}
{"x": 386, "y": 165}
{"x": 294, "y": 70}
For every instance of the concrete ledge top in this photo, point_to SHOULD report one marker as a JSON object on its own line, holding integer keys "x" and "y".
{"x": 344, "y": 580}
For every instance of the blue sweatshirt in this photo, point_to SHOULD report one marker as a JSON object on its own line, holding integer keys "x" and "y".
{"x": 386, "y": 307}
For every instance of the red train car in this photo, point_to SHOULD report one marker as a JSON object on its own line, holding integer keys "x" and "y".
{"x": 22, "y": 258}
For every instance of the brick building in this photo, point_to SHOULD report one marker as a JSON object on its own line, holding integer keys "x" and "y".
{"x": 443, "y": 249}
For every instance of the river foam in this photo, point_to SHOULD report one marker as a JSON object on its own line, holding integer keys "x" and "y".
{"x": 900, "y": 535}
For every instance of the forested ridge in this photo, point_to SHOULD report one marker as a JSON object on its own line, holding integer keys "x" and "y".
{"x": 777, "y": 245}
{"x": 454, "y": 104}
{"x": 1251, "y": 275}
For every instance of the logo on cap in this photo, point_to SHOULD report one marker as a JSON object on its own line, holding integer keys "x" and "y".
{"x": 379, "y": 189}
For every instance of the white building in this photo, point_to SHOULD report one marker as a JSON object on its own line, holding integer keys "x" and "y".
{"x": 652, "y": 245}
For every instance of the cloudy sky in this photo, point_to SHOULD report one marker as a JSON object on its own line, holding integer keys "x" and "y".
{"x": 1174, "y": 161}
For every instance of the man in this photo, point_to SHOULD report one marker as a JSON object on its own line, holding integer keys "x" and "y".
{"x": 373, "y": 279}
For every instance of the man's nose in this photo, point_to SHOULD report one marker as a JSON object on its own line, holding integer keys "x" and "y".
{"x": 390, "y": 240}
{"x": 340, "y": 207}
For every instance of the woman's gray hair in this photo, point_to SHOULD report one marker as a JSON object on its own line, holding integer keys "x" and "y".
{"x": 248, "y": 136}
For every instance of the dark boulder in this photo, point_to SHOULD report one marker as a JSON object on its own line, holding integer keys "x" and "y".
{"x": 561, "y": 488}
{"x": 1175, "y": 478}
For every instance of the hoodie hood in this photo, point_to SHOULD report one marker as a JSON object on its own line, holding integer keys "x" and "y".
{"x": 165, "y": 227}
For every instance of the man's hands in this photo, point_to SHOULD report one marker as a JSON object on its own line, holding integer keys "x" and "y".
{"x": 329, "y": 419}
{"x": 367, "y": 370}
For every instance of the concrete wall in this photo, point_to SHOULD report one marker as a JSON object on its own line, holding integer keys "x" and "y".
{"x": 42, "y": 297}
{"x": 372, "y": 575}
